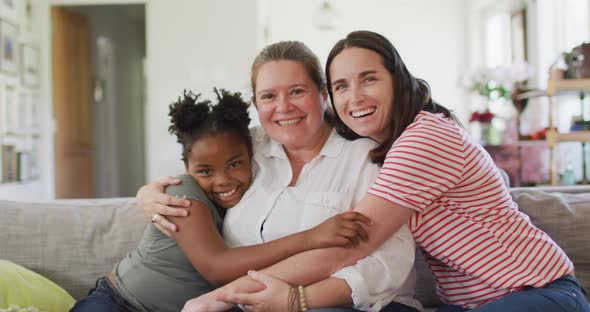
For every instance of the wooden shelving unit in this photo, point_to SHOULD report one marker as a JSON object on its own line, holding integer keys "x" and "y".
{"x": 554, "y": 88}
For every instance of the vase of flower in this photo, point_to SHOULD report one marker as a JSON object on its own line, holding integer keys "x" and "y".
{"x": 484, "y": 130}
{"x": 482, "y": 122}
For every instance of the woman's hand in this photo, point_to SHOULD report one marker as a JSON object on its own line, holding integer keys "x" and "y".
{"x": 342, "y": 230}
{"x": 156, "y": 204}
{"x": 272, "y": 298}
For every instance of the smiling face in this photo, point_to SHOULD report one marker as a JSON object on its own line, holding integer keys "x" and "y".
{"x": 221, "y": 165}
{"x": 362, "y": 92}
{"x": 290, "y": 105}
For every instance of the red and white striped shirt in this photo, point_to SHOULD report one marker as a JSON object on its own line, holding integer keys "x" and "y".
{"x": 477, "y": 244}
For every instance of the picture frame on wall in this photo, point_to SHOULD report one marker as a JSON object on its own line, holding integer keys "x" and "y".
{"x": 2, "y": 111}
{"x": 9, "y": 10}
{"x": 27, "y": 12}
{"x": 23, "y": 110}
{"x": 34, "y": 171}
{"x": 34, "y": 120}
{"x": 8, "y": 47}
{"x": 30, "y": 65}
{"x": 9, "y": 163}
{"x": 9, "y": 114}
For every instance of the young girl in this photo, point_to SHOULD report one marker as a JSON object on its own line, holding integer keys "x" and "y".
{"x": 163, "y": 273}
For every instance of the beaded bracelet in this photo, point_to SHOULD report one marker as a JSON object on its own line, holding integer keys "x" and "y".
{"x": 302, "y": 303}
{"x": 292, "y": 299}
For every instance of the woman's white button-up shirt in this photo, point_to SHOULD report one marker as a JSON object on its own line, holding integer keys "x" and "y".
{"x": 331, "y": 183}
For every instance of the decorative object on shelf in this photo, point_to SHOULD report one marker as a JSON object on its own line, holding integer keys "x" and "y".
{"x": 498, "y": 85}
{"x": 482, "y": 123}
{"x": 325, "y": 17}
{"x": 568, "y": 176}
{"x": 30, "y": 66}
{"x": 578, "y": 62}
{"x": 8, "y": 47}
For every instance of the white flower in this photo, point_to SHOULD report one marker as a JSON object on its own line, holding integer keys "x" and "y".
{"x": 521, "y": 71}
{"x": 492, "y": 81}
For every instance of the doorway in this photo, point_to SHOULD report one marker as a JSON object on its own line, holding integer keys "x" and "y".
{"x": 114, "y": 150}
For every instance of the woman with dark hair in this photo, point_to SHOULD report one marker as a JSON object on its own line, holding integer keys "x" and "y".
{"x": 485, "y": 255}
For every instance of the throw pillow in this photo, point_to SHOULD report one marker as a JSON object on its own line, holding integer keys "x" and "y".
{"x": 25, "y": 288}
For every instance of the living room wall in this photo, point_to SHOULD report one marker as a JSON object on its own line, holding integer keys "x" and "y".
{"x": 430, "y": 35}
{"x": 189, "y": 45}
{"x": 201, "y": 44}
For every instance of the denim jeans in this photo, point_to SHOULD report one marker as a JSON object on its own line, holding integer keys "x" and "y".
{"x": 392, "y": 307}
{"x": 562, "y": 295}
{"x": 103, "y": 298}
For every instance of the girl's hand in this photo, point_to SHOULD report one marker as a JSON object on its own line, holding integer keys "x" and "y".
{"x": 156, "y": 204}
{"x": 206, "y": 303}
{"x": 272, "y": 298}
{"x": 342, "y": 230}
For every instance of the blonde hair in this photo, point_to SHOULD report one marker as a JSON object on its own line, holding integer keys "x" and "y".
{"x": 291, "y": 51}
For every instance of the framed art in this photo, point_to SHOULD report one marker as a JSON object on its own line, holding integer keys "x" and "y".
{"x": 9, "y": 10}
{"x": 30, "y": 66}
{"x": 24, "y": 166}
{"x": 2, "y": 111}
{"x": 9, "y": 163}
{"x": 23, "y": 111}
{"x": 33, "y": 111}
{"x": 8, "y": 48}
{"x": 34, "y": 171}
{"x": 27, "y": 12}
{"x": 9, "y": 112}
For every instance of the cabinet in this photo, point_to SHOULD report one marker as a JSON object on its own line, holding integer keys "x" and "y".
{"x": 554, "y": 88}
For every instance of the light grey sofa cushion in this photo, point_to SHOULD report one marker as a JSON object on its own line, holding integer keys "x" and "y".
{"x": 71, "y": 242}
{"x": 566, "y": 218}
{"x": 564, "y": 215}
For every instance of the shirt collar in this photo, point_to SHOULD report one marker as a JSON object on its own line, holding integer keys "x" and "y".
{"x": 331, "y": 148}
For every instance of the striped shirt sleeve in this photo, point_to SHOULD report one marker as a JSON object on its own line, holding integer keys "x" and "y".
{"x": 425, "y": 162}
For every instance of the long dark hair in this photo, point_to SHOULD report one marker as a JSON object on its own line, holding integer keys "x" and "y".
{"x": 411, "y": 95}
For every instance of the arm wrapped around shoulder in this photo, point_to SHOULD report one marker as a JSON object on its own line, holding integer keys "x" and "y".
{"x": 188, "y": 189}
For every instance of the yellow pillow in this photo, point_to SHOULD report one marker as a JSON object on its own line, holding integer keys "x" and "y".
{"x": 26, "y": 288}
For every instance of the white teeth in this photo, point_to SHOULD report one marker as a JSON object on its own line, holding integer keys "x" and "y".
{"x": 226, "y": 194}
{"x": 288, "y": 122}
{"x": 363, "y": 113}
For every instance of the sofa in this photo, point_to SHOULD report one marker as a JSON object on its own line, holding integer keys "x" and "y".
{"x": 72, "y": 242}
